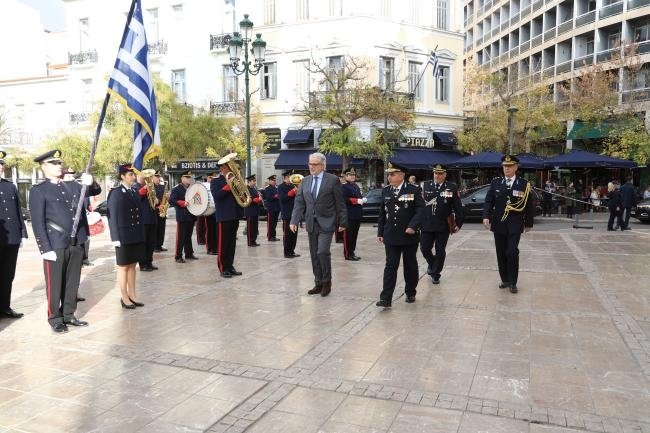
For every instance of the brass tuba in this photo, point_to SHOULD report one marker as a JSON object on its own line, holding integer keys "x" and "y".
{"x": 296, "y": 179}
{"x": 238, "y": 187}
{"x": 147, "y": 175}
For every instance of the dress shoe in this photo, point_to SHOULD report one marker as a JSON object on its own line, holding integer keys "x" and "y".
{"x": 146, "y": 269}
{"x": 226, "y": 274}
{"x": 127, "y": 306}
{"x": 12, "y": 314}
{"x": 435, "y": 279}
{"x": 353, "y": 258}
{"x": 80, "y": 299}
{"x": 180, "y": 260}
{"x": 234, "y": 272}
{"x": 291, "y": 255}
{"x": 155, "y": 268}
{"x": 75, "y": 322}
{"x": 192, "y": 257}
{"x": 327, "y": 288}
{"x": 513, "y": 288}
{"x": 157, "y": 250}
{"x": 213, "y": 253}
{"x": 429, "y": 270}
{"x": 87, "y": 263}
{"x": 137, "y": 304}
{"x": 611, "y": 230}
{"x": 255, "y": 244}
{"x": 274, "y": 240}
{"x": 410, "y": 299}
{"x": 626, "y": 228}
{"x": 59, "y": 328}
{"x": 384, "y": 303}
{"x": 315, "y": 290}
{"x": 163, "y": 249}
{"x": 504, "y": 285}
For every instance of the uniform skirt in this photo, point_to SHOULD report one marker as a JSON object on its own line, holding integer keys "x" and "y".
{"x": 129, "y": 254}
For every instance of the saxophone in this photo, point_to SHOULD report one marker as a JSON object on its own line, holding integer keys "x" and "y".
{"x": 164, "y": 202}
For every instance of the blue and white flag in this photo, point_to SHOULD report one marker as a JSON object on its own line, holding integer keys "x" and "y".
{"x": 131, "y": 83}
{"x": 433, "y": 61}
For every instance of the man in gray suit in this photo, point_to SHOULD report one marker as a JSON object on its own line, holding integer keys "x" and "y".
{"x": 320, "y": 201}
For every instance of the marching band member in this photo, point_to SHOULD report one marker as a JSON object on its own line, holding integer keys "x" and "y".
{"x": 252, "y": 212}
{"x": 287, "y": 192}
{"x": 149, "y": 220}
{"x": 272, "y": 204}
{"x": 161, "y": 224}
{"x": 353, "y": 201}
{"x": 184, "y": 219}
{"x": 211, "y": 235}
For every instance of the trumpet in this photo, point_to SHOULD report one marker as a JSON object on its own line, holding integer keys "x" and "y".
{"x": 296, "y": 179}
{"x": 238, "y": 187}
{"x": 147, "y": 175}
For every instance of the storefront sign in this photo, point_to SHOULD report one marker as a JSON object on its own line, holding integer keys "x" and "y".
{"x": 419, "y": 142}
{"x": 209, "y": 164}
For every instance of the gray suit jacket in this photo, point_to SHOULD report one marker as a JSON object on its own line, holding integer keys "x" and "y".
{"x": 327, "y": 208}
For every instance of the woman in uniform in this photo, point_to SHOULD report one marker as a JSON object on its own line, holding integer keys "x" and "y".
{"x": 127, "y": 234}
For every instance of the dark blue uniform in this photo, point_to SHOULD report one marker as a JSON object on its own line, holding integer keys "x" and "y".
{"x": 507, "y": 231}
{"x": 125, "y": 220}
{"x": 12, "y": 231}
{"x": 161, "y": 223}
{"x": 184, "y": 223}
{"x": 52, "y": 207}
{"x": 287, "y": 193}
{"x": 252, "y": 213}
{"x": 441, "y": 201}
{"x": 615, "y": 206}
{"x": 149, "y": 219}
{"x": 272, "y": 204}
{"x": 400, "y": 210}
{"x": 351, "y": 196}
{"x": 227, "y": 214}
{"x": 628, "y": 201}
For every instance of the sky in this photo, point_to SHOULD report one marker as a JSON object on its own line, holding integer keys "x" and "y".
{"x": 52, "y": 13}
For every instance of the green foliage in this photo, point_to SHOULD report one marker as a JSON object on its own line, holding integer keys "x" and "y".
{"x": 345, "y": 142}
{"x": 630, "y": 141}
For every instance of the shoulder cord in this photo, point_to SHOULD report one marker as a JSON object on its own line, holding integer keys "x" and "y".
{"x": 518, "y": 206}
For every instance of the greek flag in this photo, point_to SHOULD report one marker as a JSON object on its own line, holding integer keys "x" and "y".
{"x": 433, "y": 61}
{"x": 131, "y": 83}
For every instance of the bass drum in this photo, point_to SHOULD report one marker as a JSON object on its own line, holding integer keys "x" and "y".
{"x": 199, "y": 200}
{"x": 95, "y": 223}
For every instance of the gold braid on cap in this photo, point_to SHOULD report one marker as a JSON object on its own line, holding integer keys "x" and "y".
{"x": 518, "y": 206}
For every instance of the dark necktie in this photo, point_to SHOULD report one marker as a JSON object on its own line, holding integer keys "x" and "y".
{"x": 508, "y": 182}
{"x": 314, "y": 187}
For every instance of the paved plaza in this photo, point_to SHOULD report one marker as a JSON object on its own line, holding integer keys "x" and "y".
{"x": 570, "y": 352}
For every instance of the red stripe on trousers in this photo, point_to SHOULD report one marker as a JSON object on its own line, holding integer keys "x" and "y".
{"x": 207, "y": 236}
{"x": 248, "y": 230}
{"x": 268, "y": 225}
{"x": 345, "y": 243}
{"x": 48, "y": 283}
{"x": 177, "y": 231}
{"x": 219, "y": 263}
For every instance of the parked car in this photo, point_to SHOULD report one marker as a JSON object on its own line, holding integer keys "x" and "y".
{"x": 372, "y": 206}
{"x": 474, "y": 200}
{"x": 101, "y": 208}
{"x": 642, "y": 211}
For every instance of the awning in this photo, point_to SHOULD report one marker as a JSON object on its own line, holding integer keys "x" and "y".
{"x": 297, "y": 159}
{"x": 492, "y": 159}
{"x": 423, "y": 158}
{"x": 299, "y": 136}
{"x": 592, "y": 130}
{"x": 584, "y": 159}
{"x": 447, "y": 138}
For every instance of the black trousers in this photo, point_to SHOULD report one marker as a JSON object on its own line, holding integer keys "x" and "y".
{"x": 62, "y": 283}
{"x": 547, "y": 207}
{"x": 338, "y": 236}
{"x": 8, "y": 259}
{"x": 272, "y": 223}
{"x": 507, "y": 246}
{"x": 411, "y": 274}
{"x": 227, "y": 244}
{"x": 86, "y": 249}
{"x": 184, "y": 239}
{"x": 211, "y": 234}
{"x": 201, "y": 224}
{"x": 150, "y": 240}
{"x": 427, "y": 242}
{"x": 350, "y": 238}
{"x": 289, "y": 238}
{"x": 252, "y": 229}
{"x": 626, "y": 218}
{"x": 615, "y": 214}
{"x": 160, "y": 232}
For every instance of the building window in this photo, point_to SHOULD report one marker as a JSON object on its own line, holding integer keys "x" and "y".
{"x": 336, "y": 8}
{"x": 335, "y": 68}
{"x": 613, "y": 41}
{"x": 273, "y": 139}
{"x": 386, "y": 73}
{"x": 442, "y": 85}
{"x": 414, "y": 11}
{"x": 269, "y": 11}
{"x": 269, "y": 79}
{"x": 230, "y": 85}
{"x": 442, "y": 13}
{"x": 87, "y": 95}
{"x": 84, "y": 34}
{"x": 152, "y": 24}
{"x": 589, "y": 46}
{"x": 178, "y": 84}
{"x": 302, "y": 10}
{"x": 642, "y": 32}
{"x": 414, "y": 75}
{"x": 384, "y": 8}
{"x": 302, "y": 79}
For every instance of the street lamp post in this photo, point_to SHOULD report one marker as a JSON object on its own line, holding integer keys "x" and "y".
{"x": 511, "y": 128}
{"x": 241, "y": 40}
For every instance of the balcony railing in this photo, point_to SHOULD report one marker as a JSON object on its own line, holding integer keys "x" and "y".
{"x": 82, "y": 57}
{"x": 642, "y": 47}
{"x": 158, "y": 47}
{"x": 565, "y": 27}
{"x": 515, "y": 19}
{"x": 583, "y": 61}
{"x": 16, "y": 138}
{"x": 609, "y": 54}
{"x": 548, "y": 72}
{"x": 524, "y": 46}
{"x": 563, "y": 67}
{"x": 636, "y": 95}
{"x": 633, "y": 4}
{"x": 549, "y": 34}
{"x": 79, "y": 117}
{"x": 609, "y": 10}
{"x": 220, "y": 41}
{"x": 586, "y": 18}
{"x": 224, "y": 107}
{"x": 352, "y": 98}
{"x": 537, "y": 6}
{"x": 536, "y": 41}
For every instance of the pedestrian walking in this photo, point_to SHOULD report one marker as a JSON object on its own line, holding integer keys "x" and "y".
{"x": 628, "y": 201}
{"x": 614, "y": 204}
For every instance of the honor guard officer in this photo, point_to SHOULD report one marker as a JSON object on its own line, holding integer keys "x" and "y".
{"x": 397, "y": 228}
{"x": 227, "y": 214}
{"x": 12, "y": 235}
{"x": 161, "y": 224}
{"x": 442, "y": 216}
{"x": 252, "y": 212}
{"x": 508, "y": 211}
{"x": 287, "y": 192}
{"x": 149, "y": 220}
{"x": 272, "y": 204}
{"x": 353, "y": 201}
{"x": 184, "y": 219}
{"x": 211, "y": 233}
{"x": 52, "y": 205}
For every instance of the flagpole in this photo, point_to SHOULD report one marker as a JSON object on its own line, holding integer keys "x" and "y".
{"x": 423, "y": 71}
{"x": 93, "y": 149}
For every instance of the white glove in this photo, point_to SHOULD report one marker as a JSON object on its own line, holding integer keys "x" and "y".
{"x": 116, "y": 243}
{"x": 50, "y": 256}
{"x": 23, "y": 241}
{"x": 364, "y": 200}
{"x": 87, "y": 179}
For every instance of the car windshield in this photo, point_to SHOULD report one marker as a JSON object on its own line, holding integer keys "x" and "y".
{"x": 374, "y": 194}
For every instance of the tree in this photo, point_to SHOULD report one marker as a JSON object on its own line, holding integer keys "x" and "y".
{"x": 630, "y": 141}
{"x": 347, "y": 98}
{"x": 236, "y": 141}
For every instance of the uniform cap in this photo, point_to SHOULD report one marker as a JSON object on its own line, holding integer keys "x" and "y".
{"x": 52, "y": 155}
{"x": 187, "y": 173}
{"x": 3, "y": 154}
{"x": 351, "y": 171}
{"x": 272, "y": 177}
{"x": 287, "y": 173}
{"x": 157, "y": 173}
{"x": 124, "y": 168}
{"x": 251, "y": 177}
{"x": 394, "y": 168}
{"x": 439, "y": 168}
{"x": 509, "y": 160}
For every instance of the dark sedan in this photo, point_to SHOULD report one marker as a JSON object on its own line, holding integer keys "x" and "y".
{"x": 102, "y": 208}
{"x": 474, "y": 200}
{"x": 642, "y": 211}
{"x": 372, "y": 206}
